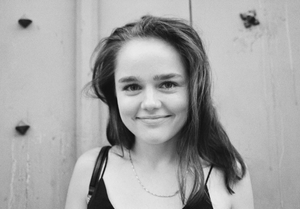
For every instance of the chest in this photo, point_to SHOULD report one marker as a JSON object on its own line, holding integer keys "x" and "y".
{"x": 126, "y": 191}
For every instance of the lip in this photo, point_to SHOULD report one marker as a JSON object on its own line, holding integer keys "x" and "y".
{"x": 153, "y": 119}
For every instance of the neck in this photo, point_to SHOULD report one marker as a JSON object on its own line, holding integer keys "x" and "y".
{"x": 155, "y": 155}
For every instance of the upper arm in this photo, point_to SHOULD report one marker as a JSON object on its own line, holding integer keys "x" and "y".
{"x": 79, "y": 183}
{"x": 243, "y": 197}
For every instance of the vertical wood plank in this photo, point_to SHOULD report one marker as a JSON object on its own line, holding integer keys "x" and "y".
{"x": 257, "y": 89}
{"x": 114, "y": 13}
{"x": 90, "y": 112}
{"x": 37, "y": 82}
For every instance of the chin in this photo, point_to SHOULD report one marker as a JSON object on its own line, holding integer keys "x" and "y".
{"x": 156, "y": 139}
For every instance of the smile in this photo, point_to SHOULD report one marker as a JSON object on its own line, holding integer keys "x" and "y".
{"x": 153, "y": 119}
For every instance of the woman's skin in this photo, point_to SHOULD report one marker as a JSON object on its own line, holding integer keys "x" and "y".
{"x": 151, "y": 89}
{"x": 152, "y": 94}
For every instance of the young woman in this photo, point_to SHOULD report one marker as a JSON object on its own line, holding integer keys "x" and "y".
{"x": 169, "y": 149}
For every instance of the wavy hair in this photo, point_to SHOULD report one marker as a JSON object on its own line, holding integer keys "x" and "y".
{"x": 202, "y": 136}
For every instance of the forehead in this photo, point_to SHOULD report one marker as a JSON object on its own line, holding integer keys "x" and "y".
{"x": 148, "y": 54}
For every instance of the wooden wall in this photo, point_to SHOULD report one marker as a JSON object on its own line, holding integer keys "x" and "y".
{"x": 37, "y": 82}
{"x": 257, "y": 89}
{"x": 43, "y": 69}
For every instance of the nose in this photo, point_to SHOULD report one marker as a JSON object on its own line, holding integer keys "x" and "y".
{"x": 150, "y": 101}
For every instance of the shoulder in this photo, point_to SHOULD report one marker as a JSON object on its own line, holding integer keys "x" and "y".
{"x": 85, "y": 163}
{"x": 220, "y": 196}
{"x": 79, "y": 183}
{"x": 243, "y": 196}
{"x": 88, "y": 158}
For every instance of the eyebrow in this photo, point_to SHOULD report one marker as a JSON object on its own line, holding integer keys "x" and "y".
{"x": 167, "y": 76}
{"x": 130, "y": 79}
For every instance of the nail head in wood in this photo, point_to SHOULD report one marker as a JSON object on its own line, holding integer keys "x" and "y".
{"x": 25, "y": 22}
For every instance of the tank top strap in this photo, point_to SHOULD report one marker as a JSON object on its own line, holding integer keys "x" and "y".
{"x": 104, "y": 164}
{"x": 208, "y": 175}
{"x": 99, "y": 169}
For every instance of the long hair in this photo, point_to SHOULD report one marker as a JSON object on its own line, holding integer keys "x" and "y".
{"x": 202, "y": 136}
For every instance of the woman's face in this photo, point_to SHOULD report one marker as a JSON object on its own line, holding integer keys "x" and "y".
{"x": 151, "y": 89}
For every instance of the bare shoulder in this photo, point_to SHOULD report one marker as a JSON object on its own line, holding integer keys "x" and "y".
{"x": 85, "y": 163}
{"x": 220, "y": 196}
{"x": 243, "y": 196}
{"x": 78, "y": 187}
{"x": 88, "y": 157}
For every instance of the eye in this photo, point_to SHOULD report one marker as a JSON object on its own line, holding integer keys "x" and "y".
{"x": 168, "y": 85}
{"x": 132, "y": 87}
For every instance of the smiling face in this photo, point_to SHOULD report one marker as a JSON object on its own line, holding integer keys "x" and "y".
{"x": 151, "y": 89}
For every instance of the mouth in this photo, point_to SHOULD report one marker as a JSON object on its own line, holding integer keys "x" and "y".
{"x": 153, "y": 120}
{"x": 153, "y": 117}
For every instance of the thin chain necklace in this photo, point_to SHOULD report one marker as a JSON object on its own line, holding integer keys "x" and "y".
{"x": 142, "y": 185}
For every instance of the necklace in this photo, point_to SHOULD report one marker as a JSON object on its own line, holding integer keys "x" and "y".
{"x": 142, "y": 185}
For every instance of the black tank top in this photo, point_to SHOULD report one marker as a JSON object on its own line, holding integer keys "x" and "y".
{"x": 100, "y": 200}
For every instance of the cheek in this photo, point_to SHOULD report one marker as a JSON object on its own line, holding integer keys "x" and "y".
{"x": 180, "y": 105}
{"x": 127, "y": 108}
{"x": 182, "y": 110}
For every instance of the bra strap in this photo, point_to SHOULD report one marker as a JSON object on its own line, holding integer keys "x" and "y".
{"x": 100, "y": 165}
{"x": 209, "y": 172}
